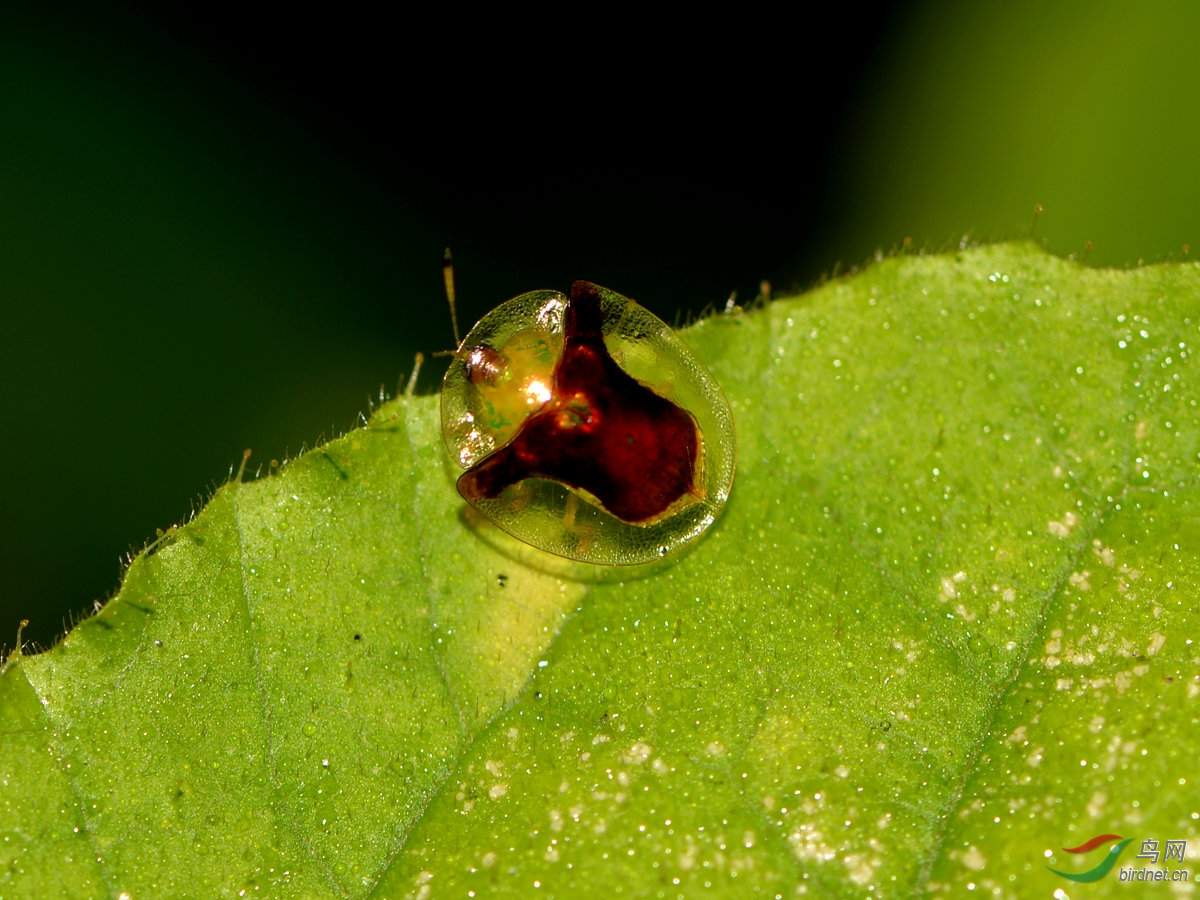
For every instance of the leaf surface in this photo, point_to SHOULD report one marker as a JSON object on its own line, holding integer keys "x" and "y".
{"x": 945, "y": 627}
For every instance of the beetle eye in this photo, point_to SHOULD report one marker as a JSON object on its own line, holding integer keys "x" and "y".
{"x": 484, "y": 365}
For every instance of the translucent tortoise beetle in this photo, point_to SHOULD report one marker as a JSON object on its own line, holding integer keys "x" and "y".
{"x": 587, "y": 427}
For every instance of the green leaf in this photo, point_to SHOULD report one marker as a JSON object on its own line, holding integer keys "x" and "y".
{"x": 946, "y": 626}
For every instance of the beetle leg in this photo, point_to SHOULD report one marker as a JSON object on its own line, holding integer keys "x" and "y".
{"x": 520, "y": 496}
{"x": 582, "y": 533}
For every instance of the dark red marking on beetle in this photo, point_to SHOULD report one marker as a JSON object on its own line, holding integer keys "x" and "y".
{"x": 602, "y": 431}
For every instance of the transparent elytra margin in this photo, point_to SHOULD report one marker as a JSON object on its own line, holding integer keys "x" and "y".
{"x": 478, "y": 417}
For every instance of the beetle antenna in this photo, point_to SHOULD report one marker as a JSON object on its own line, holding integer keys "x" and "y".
{"x": 448, "y": 280}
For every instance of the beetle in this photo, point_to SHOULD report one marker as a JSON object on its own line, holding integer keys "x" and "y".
{"x": 586, "y": 427}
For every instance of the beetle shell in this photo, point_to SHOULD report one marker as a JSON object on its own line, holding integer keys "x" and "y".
{"x": 587, "y": 427}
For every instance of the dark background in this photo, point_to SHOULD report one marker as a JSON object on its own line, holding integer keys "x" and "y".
{"x": 222, "y": 230}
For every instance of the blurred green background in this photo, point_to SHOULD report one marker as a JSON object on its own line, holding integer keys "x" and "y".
{"x": 221, "y": 230}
